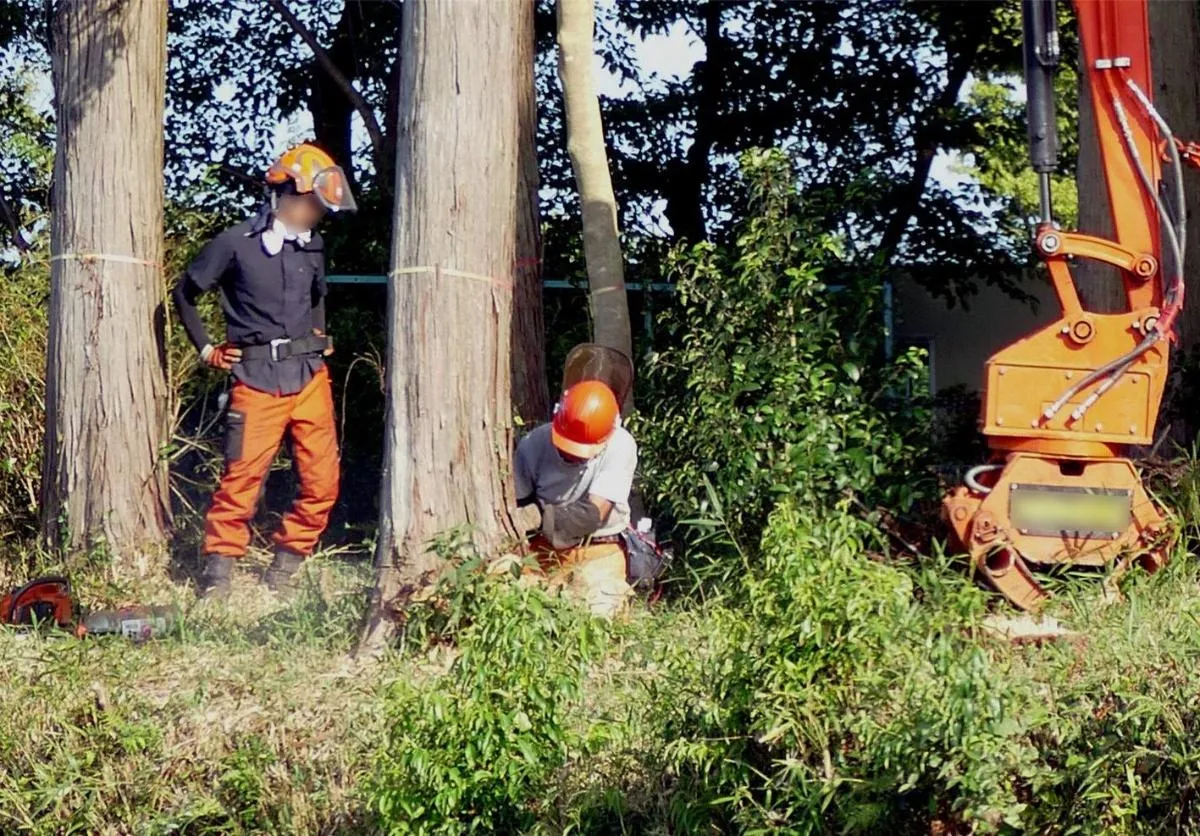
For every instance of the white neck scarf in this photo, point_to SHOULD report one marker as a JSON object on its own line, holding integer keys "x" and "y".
{"x": 274, "y": 236}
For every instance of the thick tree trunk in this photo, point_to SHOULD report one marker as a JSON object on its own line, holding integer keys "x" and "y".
{"x": 589, "y": 159}
{"x": 449, "y": 420}
{"x": 530, "y": 397}
{"x": 1174, "y": 45}
{"x": 104, "y": 482}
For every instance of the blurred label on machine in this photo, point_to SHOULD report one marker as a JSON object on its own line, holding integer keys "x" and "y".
{"x": 1052, "y": 511}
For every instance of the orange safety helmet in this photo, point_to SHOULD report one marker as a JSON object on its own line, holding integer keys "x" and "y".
{"x": 585, "y": 419}
{"x": 313, "y": 171}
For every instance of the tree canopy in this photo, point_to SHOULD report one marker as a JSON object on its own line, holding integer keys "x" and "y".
{"x": 876, "y": 102}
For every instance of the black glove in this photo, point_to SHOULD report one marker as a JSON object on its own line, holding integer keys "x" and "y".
{"x": 573, "y": 520}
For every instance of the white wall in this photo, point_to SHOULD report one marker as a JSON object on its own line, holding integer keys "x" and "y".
{"x": 961, "y": 339}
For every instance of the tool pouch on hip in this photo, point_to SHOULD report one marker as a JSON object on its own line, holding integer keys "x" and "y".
{"x": 235, "y": 436}
{"x": 645, "y": 560}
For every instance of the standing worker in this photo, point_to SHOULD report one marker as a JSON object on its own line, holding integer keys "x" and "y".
{"x": 579, "y": 470}
{"x": 270, "y": 271}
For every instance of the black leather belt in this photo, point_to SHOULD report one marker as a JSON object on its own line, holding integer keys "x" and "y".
{"x": 278, "y": 350}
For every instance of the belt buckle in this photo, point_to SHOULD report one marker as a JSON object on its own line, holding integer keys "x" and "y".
{"x": 275, "y": 348}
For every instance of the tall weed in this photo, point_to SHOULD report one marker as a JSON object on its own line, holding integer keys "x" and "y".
{"x": 839, "y": 694}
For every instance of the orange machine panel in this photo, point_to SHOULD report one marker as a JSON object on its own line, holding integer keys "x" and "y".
{"x": 1025, "y": 378}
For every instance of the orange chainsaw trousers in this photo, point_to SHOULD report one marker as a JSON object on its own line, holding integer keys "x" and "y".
{"x": 594, "y": 574}
{"x": 256, "y": 424}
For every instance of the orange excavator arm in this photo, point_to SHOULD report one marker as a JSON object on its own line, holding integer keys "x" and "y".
{"x": 1063, "y": 405}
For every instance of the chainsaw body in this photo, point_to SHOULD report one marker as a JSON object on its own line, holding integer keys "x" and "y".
{"x": 42, "y": 601}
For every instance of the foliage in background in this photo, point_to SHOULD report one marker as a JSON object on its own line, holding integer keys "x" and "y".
{"x": 26, "y": 160}
{"x": 24, "y": 291}
{"x": 772, "y": 383}
{"x": 866, "y": 95}
{"x": 998, "y": 159}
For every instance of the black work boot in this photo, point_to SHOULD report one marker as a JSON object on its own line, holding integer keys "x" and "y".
{"x": 214, "y": 583}
{"x": 281, "y": 574}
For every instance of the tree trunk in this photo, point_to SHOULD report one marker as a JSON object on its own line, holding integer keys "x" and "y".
{"x": 333, "y": 81}
{"x": 907, "y": 196}
{"x": 1101, "y": 288}
{"x": 331, "y": 108}
{"x": 1174, "y": 47}
{"x": 585, "y": 144}
{"x": 449, "y": 423}
{"x": 685, "y": 189}
{"x": 1175, "y": 72}
{"x": 104, "y": 482}
{"x": 530, "y": 397}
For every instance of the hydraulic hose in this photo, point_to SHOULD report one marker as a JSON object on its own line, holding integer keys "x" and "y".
{"x": 1176, "y": 235}
{"x": 1148, "y": 184}
{"x": 972, "y": 477}
{"x": 1180, "y": 218}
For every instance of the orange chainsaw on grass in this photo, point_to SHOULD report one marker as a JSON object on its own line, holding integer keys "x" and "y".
{"x": 43, "y": 601}
{"x": 1063, "y": 406}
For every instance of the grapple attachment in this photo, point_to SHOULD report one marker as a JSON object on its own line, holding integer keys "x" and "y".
{"x": 1039, "y": 510}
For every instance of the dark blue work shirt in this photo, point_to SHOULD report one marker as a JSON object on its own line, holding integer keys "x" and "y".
{"x": 264, "y": 297}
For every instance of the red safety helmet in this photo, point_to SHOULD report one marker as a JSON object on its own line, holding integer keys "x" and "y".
{"x": 314, "y": 172}
{"x": 585, "y": 419}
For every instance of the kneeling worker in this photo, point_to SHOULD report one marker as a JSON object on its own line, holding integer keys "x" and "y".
{"x": 270, "y": 272}
{"x": 579, "y": 469}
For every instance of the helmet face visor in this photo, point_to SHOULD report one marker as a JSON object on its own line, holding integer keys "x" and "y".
{"x": 589, "y": 361}
{"x": 332, "y": 188}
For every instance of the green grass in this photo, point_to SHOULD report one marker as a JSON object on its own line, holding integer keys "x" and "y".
{"x": 828, "y": 693}
{"x": 251, "y": 718}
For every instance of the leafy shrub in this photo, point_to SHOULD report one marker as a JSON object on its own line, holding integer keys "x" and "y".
{"x": 24, "y": 297}
{"x": 774, "y": 385}
{"x": 839, "y": 694}
{"x": 839, "y": 699}
{"x": 478, "y": 748}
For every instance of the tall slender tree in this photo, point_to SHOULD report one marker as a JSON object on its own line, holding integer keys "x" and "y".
{"x": 589, "y": 160}
{"x": 449, "y": 423}
{"x": 106, "y": 396}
